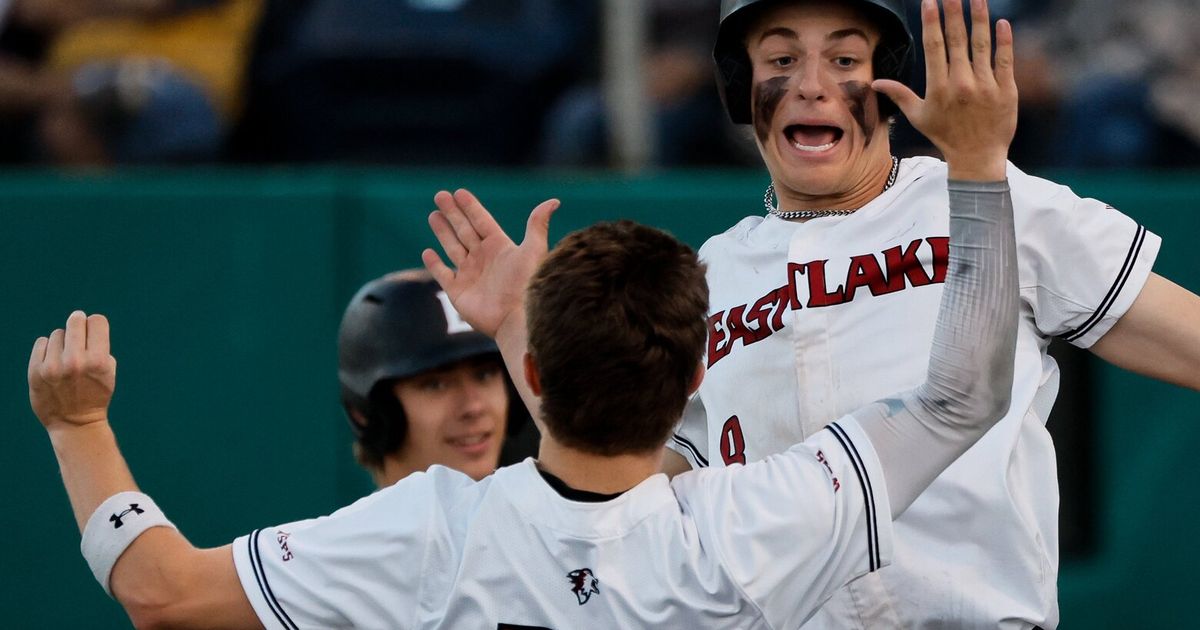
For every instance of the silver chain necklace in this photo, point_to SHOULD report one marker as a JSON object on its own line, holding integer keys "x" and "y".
{"x": 769, "y": 198}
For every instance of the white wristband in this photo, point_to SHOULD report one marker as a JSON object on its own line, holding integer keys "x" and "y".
{"x": 113, "y": 527}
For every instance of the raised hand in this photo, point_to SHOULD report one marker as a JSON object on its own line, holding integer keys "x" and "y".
{"x": 487, "y": 283}
{"x": 970, "y": 107}
{"x": 71, "y": 373}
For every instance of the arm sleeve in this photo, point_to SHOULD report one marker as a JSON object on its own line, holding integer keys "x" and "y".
{"x": 690, "y": 438}
{"x": 969, "y": 382}
{"x": 792, "y": 529}
{"x": 1083, "y": 263}
{"x": 358, "y": 567}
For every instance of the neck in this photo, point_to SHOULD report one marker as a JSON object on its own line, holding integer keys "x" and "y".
{"x": 393, "y": 470}
{"x": 866, "y": 187}
{"x": 601, "y": 474}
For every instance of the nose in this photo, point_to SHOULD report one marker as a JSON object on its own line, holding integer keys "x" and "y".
{"x": 809, "y": 83}
{"x": 471, "y": 398}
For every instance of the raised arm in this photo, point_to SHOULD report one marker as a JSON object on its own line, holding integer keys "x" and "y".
{"x": 160, "y": 578}
{"x": 490, "y": 273}
{"x": 970, "y": 114}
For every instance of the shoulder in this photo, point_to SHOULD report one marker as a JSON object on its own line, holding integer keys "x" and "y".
{"x": 738, "y": 233}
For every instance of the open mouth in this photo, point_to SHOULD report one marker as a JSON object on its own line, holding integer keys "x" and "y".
{"x": 813, "y": 138}
{"x": 474, "y": 444}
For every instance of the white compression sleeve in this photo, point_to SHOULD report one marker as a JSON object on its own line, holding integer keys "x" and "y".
{"x": 918, "y": 433}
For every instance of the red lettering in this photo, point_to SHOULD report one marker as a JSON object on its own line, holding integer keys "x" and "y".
{"x": 738, "y": 330}
{"x": 941, "y": 256}
{"x": 864, "y": 271}
{"x": 733, "y": 443}
{"x": 795, "y": 270}
{"x": 818, "y": 294}
{"x": 716, "y": 334}
{"x": 905, "y": 264}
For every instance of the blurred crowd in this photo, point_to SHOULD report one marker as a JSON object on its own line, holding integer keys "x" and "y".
{"x": 1104, "y": 83}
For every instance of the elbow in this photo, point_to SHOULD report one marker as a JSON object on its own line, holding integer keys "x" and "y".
{"x": 157, "y": 614}
{"x": 167, "y": 601}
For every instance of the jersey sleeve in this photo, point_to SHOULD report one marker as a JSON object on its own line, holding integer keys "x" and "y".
{"x": 1083, "y": 263}
{"x": 690, "y": 438}
{"x": 794, "y": 528}
{"x": 359, "y": 567}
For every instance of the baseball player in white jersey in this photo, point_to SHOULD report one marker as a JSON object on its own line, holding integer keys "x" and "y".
{"x": 608, "y": 341}
{"x": 828, "y": 302}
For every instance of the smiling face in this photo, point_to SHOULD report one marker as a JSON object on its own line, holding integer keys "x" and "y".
{"x": 816, "y": 119}
{"x": 456, "y": 415}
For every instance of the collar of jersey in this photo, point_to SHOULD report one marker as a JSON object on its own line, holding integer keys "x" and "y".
{"x": 542, "y": 506}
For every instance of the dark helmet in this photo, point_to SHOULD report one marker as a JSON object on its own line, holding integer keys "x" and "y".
{"x": 398, "y": 326}
{"x": 893, "y": 57}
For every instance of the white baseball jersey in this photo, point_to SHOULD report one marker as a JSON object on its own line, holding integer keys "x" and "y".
{"x": 809, "y": 321}
{"x": 756, "y": 546}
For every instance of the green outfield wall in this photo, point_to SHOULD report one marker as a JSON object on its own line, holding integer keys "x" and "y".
{"x": 225, "y": 289}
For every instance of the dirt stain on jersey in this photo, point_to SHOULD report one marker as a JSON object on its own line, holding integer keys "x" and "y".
{"x": 767, "y": 96}
{"x": 863, "y": 106}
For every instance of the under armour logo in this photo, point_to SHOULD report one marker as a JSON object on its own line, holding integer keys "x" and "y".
{"x": 583, "y": 583}
{"x": 115, "y": 519}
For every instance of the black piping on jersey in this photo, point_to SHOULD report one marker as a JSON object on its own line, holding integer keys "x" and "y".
{"x": 1135, "y": 249}
{"x": 864, "y": 482}
{"x": 264, "y": 586}
{"x": 691, "y": 448}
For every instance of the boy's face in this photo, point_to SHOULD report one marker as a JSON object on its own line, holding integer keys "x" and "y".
{"x": 816, "y": 119}
{"x": 457, "y": 416}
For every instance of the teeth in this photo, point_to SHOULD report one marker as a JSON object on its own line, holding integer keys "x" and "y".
{"x": 804, "y": 147}
{"x": 470, "y": 441}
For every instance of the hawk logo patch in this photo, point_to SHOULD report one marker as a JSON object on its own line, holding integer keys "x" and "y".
{"x": 583, "y": 583}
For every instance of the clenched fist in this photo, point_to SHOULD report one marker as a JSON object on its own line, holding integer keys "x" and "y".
{"x": 71, "y": 373}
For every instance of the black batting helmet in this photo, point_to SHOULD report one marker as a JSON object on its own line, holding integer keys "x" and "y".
{"x": 398, "y": 326}
{"x": 893, "y": 57}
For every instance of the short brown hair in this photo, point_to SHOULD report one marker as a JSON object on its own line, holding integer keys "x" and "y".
{"x": 616, "y": 318}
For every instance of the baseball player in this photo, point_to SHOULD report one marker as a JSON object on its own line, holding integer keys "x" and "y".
{"x": 610, "y": 339}
{"x": 826, "y": 300}
{"x": 421, "y": 387}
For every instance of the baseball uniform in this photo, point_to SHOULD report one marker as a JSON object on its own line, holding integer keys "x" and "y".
{"x": 811, "y": 320}
{"x": 758, "y": 547}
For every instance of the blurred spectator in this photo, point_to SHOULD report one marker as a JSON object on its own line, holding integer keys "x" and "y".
{"x": 130, "y": 81}
{"x": 681, "y": 89}
{"x": 1120, "y": 81}
{"x": 419, "y": 82}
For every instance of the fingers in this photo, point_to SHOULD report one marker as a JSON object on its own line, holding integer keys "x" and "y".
{"x": 443, "y": 274}
{"x": 956, "y": 38}
{"x": 901, "y": 95}
{"x": 448, "y": 238}
{"x": 481, "y": 220}
{"x": 75, "y": 338}
{"x": 37, "y": 356}
{"x": 97, "y": 337}
{"x": 54, "y": 351}
{"x": 935, "y": 45}
{"x": 453, "y": 212}
{"x": 1004, "y": 55}
{"x": 537, "y": 229}
{"x": 981, "y": 39}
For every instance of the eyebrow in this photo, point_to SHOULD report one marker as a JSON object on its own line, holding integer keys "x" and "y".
{"x": 847, "y": 32}
{"x": 834, "y": 36}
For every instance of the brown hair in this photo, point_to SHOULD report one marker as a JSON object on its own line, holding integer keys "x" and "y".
{"x": 616, "y": 318}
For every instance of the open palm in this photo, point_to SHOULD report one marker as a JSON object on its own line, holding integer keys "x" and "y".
{"x": 490, "y": 272}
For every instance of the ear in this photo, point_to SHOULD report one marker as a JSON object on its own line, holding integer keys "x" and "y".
{"x": 531, "y": 375}
{"x": 357, "y": 417}
{"x": 697, "y": 378}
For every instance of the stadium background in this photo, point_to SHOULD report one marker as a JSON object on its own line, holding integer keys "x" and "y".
{"x": 224, "y": 276}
